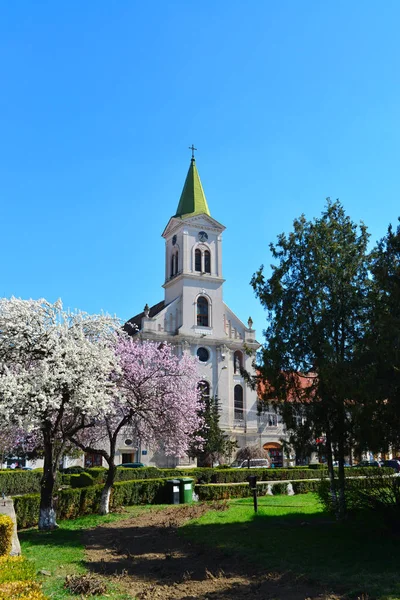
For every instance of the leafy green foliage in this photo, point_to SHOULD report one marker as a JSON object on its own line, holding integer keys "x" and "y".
{"x": 74, "y": 502}
{"x": 22, "y": 482}
{"x": 216, "y": 445}
{"x": 378, "y": 425}
{"x": 6, "y": 531}
{"x": 317, "y": 299}
{"x": 16, "y": 568}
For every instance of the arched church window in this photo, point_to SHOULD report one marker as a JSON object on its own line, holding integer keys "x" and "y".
{"x": 203, "y": 354}
{"x": 197, "y": 260}
{"x": 174, "y": 264}
{"x": 238, "y": 403}
{"x": 202, "y": 311}
{"x": 204, "y": 389}
{"x": 207, "y": 261}
{"x": 237, "y": 362}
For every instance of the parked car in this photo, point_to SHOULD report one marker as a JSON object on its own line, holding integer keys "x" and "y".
{"x": 394, "y": 464}
{"x": 135, "y": 465}
{"x": 368, "y": 463}
{"x": 255, "y": 463}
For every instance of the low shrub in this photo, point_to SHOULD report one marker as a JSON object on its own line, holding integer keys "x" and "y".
{"x": 72, "y": 470}
{"x": 279, "y": 488}
{"x": 22, "y": 482}
{"x": 99, "y": 474}
{"x": 16, "y": 568}
{"x": 146, "y": 491}
{"x": 241, "y": 475}
{"x": 86, "y": 480}
{"x": 74, "y": 480}
{"x": 303, "y": 487}
{"x": 6, "y": 531}
{"x": 380, "y": 494}
{"x": 27, "y": 510}
{"x": 65, "y": 479}
{"x": 126, "y": 474}
{"x": 73, "y": 502}
{"x": 212, "y": 491}
{"x": 17, "y": 579}
{"x": 215, "y": 491}
{"x": 353, "y": 490}
{"x": 21, "y": 590}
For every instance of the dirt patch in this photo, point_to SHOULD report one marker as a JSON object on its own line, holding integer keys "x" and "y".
{"x": 151, "y": 560}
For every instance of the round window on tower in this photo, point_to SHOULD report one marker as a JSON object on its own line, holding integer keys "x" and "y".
{"x": 203, "y": 354}
{"x": 128, "y": 442}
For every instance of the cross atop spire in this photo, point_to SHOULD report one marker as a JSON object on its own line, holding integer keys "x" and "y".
{"x": 192, "y": 148}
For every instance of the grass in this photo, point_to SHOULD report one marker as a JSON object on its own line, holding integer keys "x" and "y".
{"x": 61, "y": 552}
{"x": 293, "y": 534}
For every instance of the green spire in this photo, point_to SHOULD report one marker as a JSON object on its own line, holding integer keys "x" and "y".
{"x": 193, "y": 200}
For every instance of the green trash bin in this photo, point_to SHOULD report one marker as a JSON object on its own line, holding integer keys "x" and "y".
{"x": 173, "y": 491}
{"x": 186, "y": 490}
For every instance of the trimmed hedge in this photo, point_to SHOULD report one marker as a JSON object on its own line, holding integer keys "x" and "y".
{"x": 73, "y": 502}
{"x": 303, "y": 487}
{"x": 352, "y": 495}
{"x": 241, "y": 475}
{"x": 81, "y": 480}
{"x": 14, "y": 481}
{"x": 146, "y": 491}
{"x": 27, "y": 510}
{"x": 6, "y": 531}
{"x": 222, "y": 491}
{"x": 215, "y": 491}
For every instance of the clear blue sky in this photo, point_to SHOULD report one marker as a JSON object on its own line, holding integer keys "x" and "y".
{"x": 287, "y": 102}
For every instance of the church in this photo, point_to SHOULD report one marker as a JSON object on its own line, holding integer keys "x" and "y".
{"x": 194, "y": 318}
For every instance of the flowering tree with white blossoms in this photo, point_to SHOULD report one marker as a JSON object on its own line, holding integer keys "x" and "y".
{"x": 158, "y": 399}
{"x": 55, "y": 371}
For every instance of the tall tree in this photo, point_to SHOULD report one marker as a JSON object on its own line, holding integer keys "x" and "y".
{"x": 379, "y": 421}
{"x": 215, "y": 445}
{"x": 157, "y": 399}
{"x": 55, "y": 371}
{"x": 316, "y": 299}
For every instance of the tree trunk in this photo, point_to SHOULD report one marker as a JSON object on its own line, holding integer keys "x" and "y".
{"x": 331, "y": 472}
{"x": 341, "y": 513}
{"x": 47, "y": 514}
{"x": 106, "y": 492}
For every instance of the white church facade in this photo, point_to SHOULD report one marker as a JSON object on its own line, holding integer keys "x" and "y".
{"x": 194, "y": 318}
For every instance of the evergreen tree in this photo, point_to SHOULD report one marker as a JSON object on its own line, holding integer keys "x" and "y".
{"x": 378, "y": 426}
{"x": 316, "y": 299}
{"x": 216, "y": 445}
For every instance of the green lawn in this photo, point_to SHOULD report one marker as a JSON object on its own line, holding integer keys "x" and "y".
{"x": 293, "y": 534}
{"x": 62, "y": 553}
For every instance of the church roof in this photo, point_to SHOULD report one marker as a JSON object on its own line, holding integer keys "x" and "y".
{"x": 133, "y": 325}
{"x": 193, "y": 200}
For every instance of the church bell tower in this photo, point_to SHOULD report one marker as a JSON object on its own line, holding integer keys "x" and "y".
{"x": 193, "y": 261}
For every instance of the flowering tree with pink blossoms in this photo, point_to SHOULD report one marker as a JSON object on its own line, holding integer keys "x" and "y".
{"x": 55, "y": 371}
{"x": 14, "y": 439}
{"x": 157, "y": 399}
